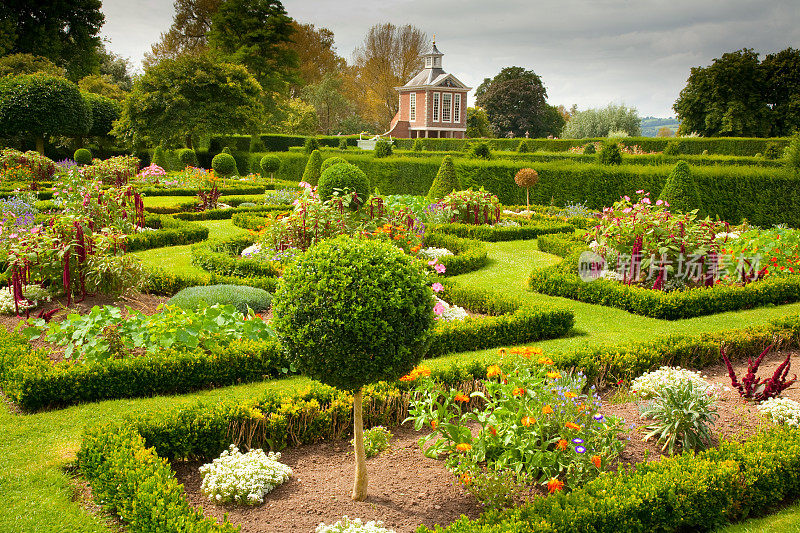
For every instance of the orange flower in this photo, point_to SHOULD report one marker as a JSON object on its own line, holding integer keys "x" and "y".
{"x": 596, "y": 461}
{"x": 502, "y": 352}
{"x": 554, "y": 485}
{"x": 547, "y": 410}
{"x": 419, "y": 371}
{"x": 493, "y": 371}
{"x": 569, "y": 395}
{"x": 545, "y": 361}
{"x": 461, "y": 398}
{"x": 518, "y": 391}
{"x": 416, "y": 248}
{"x": 434, "y": 423}
{"x": 493, "y": 430}
{"x": 465, "y": 479}
{"x": 527, "y": 421}
{"x": 562, "y": 444}
{"x": 463, "y": 447}
{"x": 571, "y": 425}
{"x": 554, "y": 375}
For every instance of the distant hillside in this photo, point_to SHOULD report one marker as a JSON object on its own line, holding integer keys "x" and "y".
{"x": 650, "y": 125}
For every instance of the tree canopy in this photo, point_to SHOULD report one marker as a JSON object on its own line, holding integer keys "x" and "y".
{"x": 178, "y": 99}
{"x": 188, "y": 33}
{"x": 601, "y": 122}
{"x": 515, "y": 103}
{"x": 17, "y": 64}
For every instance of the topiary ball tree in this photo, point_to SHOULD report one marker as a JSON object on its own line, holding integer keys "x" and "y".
{"x": 224, "y": 164}
{"x": 313, "y": 168}
{"x": 353, "y": 312}
{"x": 270, "y": 164}
{"x": 341, "y": 177}
{"x": 328, "y": 163}
{"x": 609, "y": 154}
{"x": 187, "y": 157}
{"x": 589, "y": 149}
{"x": 82, "y": 156}
{"x": 446, "y": 180}
{"x": 526, "y": 177}
{"x": 481, "y": 150}
{"x": 383, "y": 148}
{"x": 680, "y": 190}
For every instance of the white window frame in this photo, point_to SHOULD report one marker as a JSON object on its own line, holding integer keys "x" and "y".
{"x": 412, "y": 107}
{"x": 437, "y": 102}
{"x": 447, "y": 107}
{"x": 457, "y": 107}
{"x": 428, "y": 62}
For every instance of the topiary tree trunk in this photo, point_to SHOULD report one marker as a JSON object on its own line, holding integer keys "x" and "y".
{"x": 360, "y": 481}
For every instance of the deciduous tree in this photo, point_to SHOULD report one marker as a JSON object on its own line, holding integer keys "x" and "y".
{"x": 188, "y": 33}
{"x": 515, "y": 103}
{"x": 599, "y": 122}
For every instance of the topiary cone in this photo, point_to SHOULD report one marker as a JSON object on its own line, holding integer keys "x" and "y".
{"x": 680, "y": 190}
{"x": 446, "y": 180}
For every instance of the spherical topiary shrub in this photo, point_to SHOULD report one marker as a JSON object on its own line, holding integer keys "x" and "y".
{"x": 224, "y": 164}
{"x": 343, "y": 177}
{"x": 446, "y": 180}
{"x": 270, "y": 164}
{"x": 350, "y": 313}
{"x": 526, "y": 177}
{"x": 343, "y": 144}
{"x": 313, "y": 168}
{"x": 481, "y": 150}
{"x": 332, "y": 161}
{"x": 680, "y": 190}
{"x": 310, "y": 145}
{"x": 589, "y": 149}
{"x": 82, "y": 156}
{"x": 237, "y": 295}
{"x": 187, "y": 157}
{"x": 610, "y": 154}
{"x": 383, "y": 148}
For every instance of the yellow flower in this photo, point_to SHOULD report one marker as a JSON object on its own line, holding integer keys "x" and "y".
{"x": 527, "y": 421}
{"x": 554, "y": 375}
{"x": 570, "y": 395}
{"x": 547, "y": 410}
{"x": 463, "y": 447}
{"x": 545, "y": 361}
{"x": 493, "y": 371}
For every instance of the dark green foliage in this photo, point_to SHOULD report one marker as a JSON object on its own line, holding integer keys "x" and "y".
{"x": 446, "y": 180}
{"x": 17, "y": 64}
{"x": 337, "y": 178}
{"x": 503, "y": 233}
{"x": 589, "y": 149}
{"x": 227, "y": 150}
{"x": 470, "y": 254}
{"x": 326, "y": 164}
{"x": 160, "y": 157}
{"x": 680, "y": 191}
{"x": 514, "y": 101}
{"x": 343, "y": 144}
{"x": 772, "y": 151}
{"x": 609, "y": 154}
{"x": 791, "y": 156}
{"x": 242, "y": 297}
{"x": 242, "y": 162}
{"x": 313, "y": 168}
{"x": 224, "y": 165}
{"x": 481, "y": 150}
{"x": 525, "y": 146}
{"x": 82, "y": 156}
{"x": 310, "y": 144}
{"x": 418, "y": 145}
{"x": 187, "y": 157}
{"x": 270, "y": 164}
{"x": 256, "y": 145}
{"x": 104, "y": 112}
{"x": 673, "y": 148}
{"x": 353, "y": 312}
{"x": 382, "y": 148}
{"x": 169, "y": 232}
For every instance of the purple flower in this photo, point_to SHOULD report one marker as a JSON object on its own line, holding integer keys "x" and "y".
{"x": 580, "y": 449}
{"x": 577, "y": 441}
{"x": 598, "y": 417}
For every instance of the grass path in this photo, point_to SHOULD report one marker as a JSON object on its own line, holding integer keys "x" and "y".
{"x": 37, "y": 495}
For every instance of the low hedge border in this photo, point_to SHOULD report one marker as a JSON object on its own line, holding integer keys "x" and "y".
{"x": 223, "y": 257}
{"x": 486, "y": 233}
{"x": 249, "y": 221}
{"x": 169, "y": 232}
{"x": 470, "y": 254}
{"x": 561, "y": 280}
{"x": 230, "y": 190}
{"x": 224, "y": 214}
{"x": 163, "y": 282}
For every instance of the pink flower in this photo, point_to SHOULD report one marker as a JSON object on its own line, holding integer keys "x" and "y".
{"x": 659, "y": 202}
{"x": 627, "y": 198}
{"x": 439, "y": 268}
{"x": 437, "y": 287}
{"x": 646, "y": 201}
{"x": 666, "y": 203}
{"x": 438, "y": 309}
{"x": 432, "y": 262}
{"x": 627, "y": 210}
{"x": 640, "y": 191}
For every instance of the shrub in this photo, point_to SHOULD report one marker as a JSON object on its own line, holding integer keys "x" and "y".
{"x": 83, "y": 156}
{"x": 589, "y": 149}
{"x": 343, "y": 177}
{"x": 772, "y": 151}
{"x": 791, "y": 155}
{"x": 418, "y": 145}
{"x": 525, "y": 147}
{"x": 313, "y": 169}
{"x": 351, "y": 313}
{"x": 160, "y": 158}
{"x": 310, "y": 145}
{"x": 672, "y": 148}
{"x": 187, "y": 157}
{"x": 256, "y": 144}
{"x": 610, "y": 154}
{"x": 224, "y": 165}
{"x": 526, "y": 177}
{"x": 227, "y": 150}
{"x": 680, "y": 190}
{"x": 332, "y": 161}
{"x": 239, "y": 296}
{"x": 343, "y": 145}
{"x": 270, "y": 164}
{"x": 683, "y": 413}
{"x": 481, "y": 150}
{"x": 446, "y": 180}
{"x": 383, "y": 148}
{"x": 376, "y": 440}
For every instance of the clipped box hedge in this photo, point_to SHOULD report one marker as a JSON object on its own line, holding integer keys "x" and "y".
{"x": 497, "y": 233}
{"x": 169, "y": 231}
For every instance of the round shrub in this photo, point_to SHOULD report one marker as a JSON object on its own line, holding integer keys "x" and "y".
{"x": 589, "y": 149}
{"x": 238, "y": 295}
{"x": 227, "y": 150}
{"x": 82, "y": 156}
{"x": 332, "y": 161}
{"x": 481, "y": 150}
{"x": 313, "y": 168}
{"x": 224, "y": 164}
{"x": 187, "y": 157}
{"x": 104, "y": 112}
{"x": 270, "y": 164}
{"x": 343, "y": 144}
{"x": 352, "y": 312}
{"x": 342, "y": 177}
{"x": 446, "y": 180}
{"x": 610, "y": 154}
{"x": 383, "y": 148}
{"x": 310, "y": 145}
{"x": 680, "y": 190}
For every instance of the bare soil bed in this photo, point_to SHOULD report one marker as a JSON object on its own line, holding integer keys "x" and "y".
{"x": 407, "y": 489}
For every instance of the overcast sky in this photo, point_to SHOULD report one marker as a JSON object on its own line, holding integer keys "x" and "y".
{"x": 587, "y": 53}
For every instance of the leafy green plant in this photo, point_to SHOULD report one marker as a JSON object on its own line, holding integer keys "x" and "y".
{"x": 446, "y": 180}
{"x": 270, "y": 164}
{"x": 341, "y": 179}
{"x": 329, "y": 162}
{"x": 609, "y": 154}
{"x": 383, "y": 148}
{"x": 82, "y": 156}
{"x": 683, "y": 415}
{"x": 310, "y": 144}
{"x": 224, "y": 164}
{"x": 313, "y": 169}
{"x": 241, "y": 297}
{"x": 481, "y": 150}
{"x": 680, "y": 190}
{"x": 376, "y": 440}
{"x": 343, "y": 145}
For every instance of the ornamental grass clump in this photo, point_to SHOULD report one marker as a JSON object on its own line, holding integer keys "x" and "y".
{"x": 243, "y": 478}
{"x": 351, "y": 312}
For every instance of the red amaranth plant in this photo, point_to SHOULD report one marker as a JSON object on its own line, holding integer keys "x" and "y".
{"x": 753, "y": 388}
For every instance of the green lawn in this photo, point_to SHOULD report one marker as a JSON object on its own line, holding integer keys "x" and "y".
{"x": 36, "y": 493}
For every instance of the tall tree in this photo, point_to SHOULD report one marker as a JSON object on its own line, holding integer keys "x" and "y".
{"x": 388, "y": 57}
{"x": 726, "y": 98}
{"x": 64, "y": 31}
{"x": 181, "y": 99}
{"x": 330, "y": 104}
{"x": 316, "y": 53}
{"x": 600, "y": 122}
{"x": 515, "y": 103}
{"x": 188, "y": 33}
{"x": 255, "y": 33}
{"x": 116, "y": 69}
{"x": 16, "y": 64}
{"x": 477, "y": 123}
{"x": 782, "y": 90}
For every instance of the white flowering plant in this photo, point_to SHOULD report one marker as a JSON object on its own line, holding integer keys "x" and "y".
{"x": 434, "y": 253}
{"x": 243, "y": 478}
{"x": 448, "y": 312}
{"x": 345, "y": 525}
{"x": 648, "y": 385}
{"x": 34, "y": 294}
{"x": 782, "y": 411}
